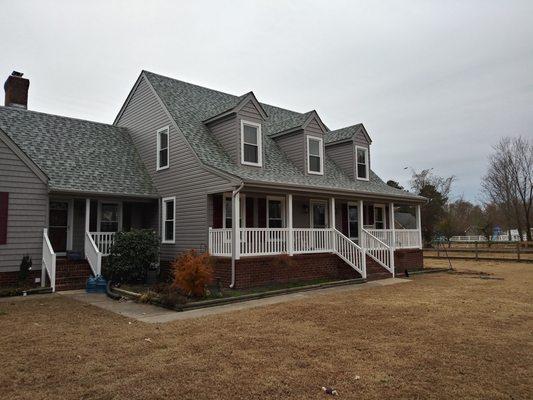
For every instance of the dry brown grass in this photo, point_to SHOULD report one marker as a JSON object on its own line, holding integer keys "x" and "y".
{"x": 446, "y": 336}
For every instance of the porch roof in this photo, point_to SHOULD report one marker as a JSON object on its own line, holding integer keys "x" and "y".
{"x": 79, "y": 155}
{"x": 190, "y": 105}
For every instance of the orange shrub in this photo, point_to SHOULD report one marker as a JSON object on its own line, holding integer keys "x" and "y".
{"x": 192, "y": 272}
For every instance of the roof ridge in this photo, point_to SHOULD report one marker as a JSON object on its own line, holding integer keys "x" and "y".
{"x": 61, "y": 116}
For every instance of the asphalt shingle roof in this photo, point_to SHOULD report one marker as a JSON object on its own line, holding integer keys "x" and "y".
{"x": 339, "y": 135}
{"x": 79, "y": 155}
{"x": 190, "y": 105}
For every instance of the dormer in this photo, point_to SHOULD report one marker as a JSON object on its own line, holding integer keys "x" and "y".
{"x": 349, "y": 148}
{"x": 239, "y": 129}
{"x": 301, "y": 138}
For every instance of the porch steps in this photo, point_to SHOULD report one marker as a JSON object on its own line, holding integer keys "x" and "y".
{"x": 72, "y": 275}
{"x": 374, "y": 271}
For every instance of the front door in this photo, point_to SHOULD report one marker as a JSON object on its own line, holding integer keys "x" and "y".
{"x": 58, "y": 225}
{"x": 319, "y": 216}
{"x": 353, "y": 221}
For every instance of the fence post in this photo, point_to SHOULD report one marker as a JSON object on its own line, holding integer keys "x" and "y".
{"x": 477, "y": 257}
{"x": 518, "y": 250}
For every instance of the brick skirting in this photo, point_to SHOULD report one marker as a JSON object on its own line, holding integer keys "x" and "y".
{"x": 11, "y": 278}
{"x": 261, "y": 271}
{"x": 410, "y": 259}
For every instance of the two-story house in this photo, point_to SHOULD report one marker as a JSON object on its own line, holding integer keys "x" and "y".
{"x": 243, "y": 180}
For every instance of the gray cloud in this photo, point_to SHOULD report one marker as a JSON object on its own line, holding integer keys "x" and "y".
{"x": 435, "y": 83}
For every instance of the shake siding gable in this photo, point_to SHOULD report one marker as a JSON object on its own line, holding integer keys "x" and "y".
{"x": 26, "y": 213}
{"x": 186, "y": 178}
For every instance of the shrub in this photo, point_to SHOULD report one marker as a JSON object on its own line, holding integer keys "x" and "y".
{"x": 132, "y": 255}
{"x": 24, "y": 270}
{"x": 192, "y": 273}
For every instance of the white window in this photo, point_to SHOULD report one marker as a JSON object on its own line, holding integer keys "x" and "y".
{"x": 319, "y": 214}
{"x": 109, "y": 217}
{"x": 228, "y": 212}
{"x": 315, "y": 155}
{"x": 168, "y": 217}
{"x": 353, "y": 221}
{"x": 379, "y": 216}
{"x": 162, "y": 148}
{"x": 361, "y": 154}
{"x": 276, "y": 212}
{"x": 251, "y": 144}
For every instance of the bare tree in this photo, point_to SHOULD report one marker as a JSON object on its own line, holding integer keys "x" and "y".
{"x": 509, "y": 180}
{"x": 424, "y": 178}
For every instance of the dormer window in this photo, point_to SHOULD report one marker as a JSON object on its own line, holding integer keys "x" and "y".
{"x": 251, "y": 144}
{"x": 362, "y": 169}
{"x": 315, "y": 155}
{"x": 162, "y": 148}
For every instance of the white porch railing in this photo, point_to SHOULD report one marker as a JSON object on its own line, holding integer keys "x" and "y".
{"x": 311, "y": 240}
{"x": 103, "y": 241}
{"x": 263, "y": 241}
{"x": 378, "y": 250}
{"x": 404, "y": 238}
{"x": 220, "y": 242}
{"x": 93, "y": 254}
{"x": 350, "y": 252}
{"x": 49, "y": 262}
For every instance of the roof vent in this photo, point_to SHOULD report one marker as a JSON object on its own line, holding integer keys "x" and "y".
{"x": 16, "y": 88}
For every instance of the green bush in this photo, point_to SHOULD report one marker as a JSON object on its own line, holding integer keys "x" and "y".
{"x": 132, "y": 255}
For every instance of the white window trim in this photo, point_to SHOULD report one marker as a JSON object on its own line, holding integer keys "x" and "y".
{"x": 318, "y": 201}
{"x": 348, "y": 205}
{"x": 382, "y": 206}
{"x": 367, "y": 164}
{"x": 166, "y": 128}
{"x": 283, "y": 213}
{"x": 243, "y": 209}
{"x": 320, "y": 153}
{"x": 164, "y": 200}
{"x": 259, "y": 144}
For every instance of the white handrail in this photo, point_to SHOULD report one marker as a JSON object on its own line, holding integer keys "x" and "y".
{"x": 220, "y": 242}
{"x": 92, "y": 254}
{"x": 103, "y": 241}
{"x": 312, "y": 240}
{"x": 403, "y": 238}
{"x": 378, "y": 250}
{"x": 49, "y": 261}
{"x": 350, "y": 252}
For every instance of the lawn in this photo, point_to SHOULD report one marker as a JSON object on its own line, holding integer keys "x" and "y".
{"x": 445, "y": 336}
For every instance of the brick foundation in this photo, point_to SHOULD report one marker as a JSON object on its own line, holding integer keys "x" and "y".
{"x": 11, "y": 278}
{"x": 410, "y": 259}
{"x": 261, "y": 271}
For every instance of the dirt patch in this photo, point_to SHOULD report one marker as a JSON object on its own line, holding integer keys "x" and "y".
{"x": 437, "y": 337}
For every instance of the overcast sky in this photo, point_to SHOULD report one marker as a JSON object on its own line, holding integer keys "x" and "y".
{"x": 435, "y": 83}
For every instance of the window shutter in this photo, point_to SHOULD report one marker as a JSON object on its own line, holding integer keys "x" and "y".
{"x": 4, "y": 204}
{"x": 344, "y": 218}
{"x": 261, "y": 213}
{"x": 217, "y": 211}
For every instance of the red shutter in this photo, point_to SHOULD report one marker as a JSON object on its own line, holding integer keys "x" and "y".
{"x": 250, "y": 212}
{"x": 4, "y": 204}
{"x": 261, "y": 213}
{"x": 217, "y": 211}
{"x": 344, "y": 218}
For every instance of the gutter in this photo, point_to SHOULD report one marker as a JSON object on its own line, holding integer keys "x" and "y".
{"x": 234, "y": 232}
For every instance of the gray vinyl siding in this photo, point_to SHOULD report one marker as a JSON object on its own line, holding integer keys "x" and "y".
{"x": 227, "y": 132}
{"x": 28, "y": 205}
{"x": 248, "y": 113}
{"x": 342, "y": 154}
{"x": 293, "y": 145}
{"x": 185, "y": 178}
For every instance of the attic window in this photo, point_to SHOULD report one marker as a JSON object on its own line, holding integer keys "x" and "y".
{"x": 315, "y": 156}
{"x": 362, "y": 169}
{"x": 162, "y": 148}
{"x": 251, "y": 144}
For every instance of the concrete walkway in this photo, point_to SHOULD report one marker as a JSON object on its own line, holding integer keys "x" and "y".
{"x": 153, "y": 314}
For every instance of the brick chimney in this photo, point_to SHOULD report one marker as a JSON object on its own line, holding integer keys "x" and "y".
{"x": 16, "y": 88}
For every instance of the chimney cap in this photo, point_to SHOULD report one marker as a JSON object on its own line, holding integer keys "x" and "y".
{"x": 16, "y": 73}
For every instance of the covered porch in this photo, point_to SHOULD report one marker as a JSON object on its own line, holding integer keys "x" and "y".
{"x": 266, "y": 224}
{"x": 85, "y": 228}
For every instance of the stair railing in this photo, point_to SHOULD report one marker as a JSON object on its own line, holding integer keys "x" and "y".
{"x": 49, "y": 262}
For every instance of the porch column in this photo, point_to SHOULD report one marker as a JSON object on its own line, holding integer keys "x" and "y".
{"x": 360, "y": 220}
{"x": 235, "y": 225}
{"x": 332, "y": 220}
{"x": 419, "y": 225}
{"x": 87, "y": 214}
{"x": 290, "y": 239}
{"x": 391, "y": 227}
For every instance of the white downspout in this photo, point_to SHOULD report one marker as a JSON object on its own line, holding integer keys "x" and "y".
{"x": 234, "y": 232}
